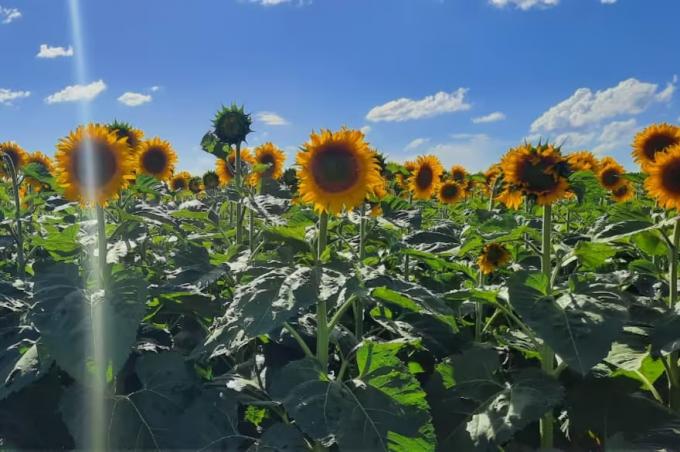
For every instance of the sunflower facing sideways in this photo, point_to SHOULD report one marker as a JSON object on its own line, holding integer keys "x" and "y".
{"x": 425, "y": 178}
{"x": 337, "y": 170}
{"x": 268, "y": 154}
{"x": 196, "y": 185}
{"x": 180, "y": 181}
{"x": 583, "y": 161}
{"x": 494, "y": 255}
{"x": 611, "y": 174}
{"x": 15, "y": 153}
{"x": 459, "y": 174}
{"x": 450, "y": 192}
{"x": 156, "y": 158}
{"x": 225, "y": 168}
{"x": 211, "y": 180}
{"x": 624, "y": 193}
{"x": 653, "y": 140}
{"x": 134, "y": 137}
{"x": 663, "y": 182}
{"x": 93, "y": 164}
{"x": 43, "y": 164}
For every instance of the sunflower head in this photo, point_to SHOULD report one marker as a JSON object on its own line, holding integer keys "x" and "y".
{"x": 583, "y": 161}
{"x": 156, "y": 158}
{"x": 268, "y": 154}
{"x": 611, "y": 174}
{"x": 180, "y": 181}
{"x": 426, "y": 176}
{"x": 93, "y": 164}
{"x": 290, "y": 179}
{"x": 663, "y": 182}
{"x": 15, "y": 153}
{"x": 511, "y": 197}
{"x": 211, "y": 180}
{"x": 450, "y": 192}
{"x": 653, "y": 140}
{"x": 376, "y": 210}
{"x": 494, "y": 255}
{"x": 232, "y": 125}
{"x": 195, "y": 185}
{"x": 226, "y": 168}
{"x": 624, "y": 193}
{"x": 43, "y": 165}
{"x": 337, "y": 170}
{"x": 123, "y": 130}
{"x": 459, "y": 174}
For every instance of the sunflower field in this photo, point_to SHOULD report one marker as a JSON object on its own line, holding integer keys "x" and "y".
{"x": 346, "y": 303}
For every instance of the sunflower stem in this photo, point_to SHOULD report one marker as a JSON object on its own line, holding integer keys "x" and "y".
{"x": 479, "y": 311}
{"x": 322, "y": 332}
{"x": 547, "y": 423}
{"x": 673, "y": 369}
{"x": 362, "y": 232}
{"x": 239, "y": 206}
{"x": 21, "y": 260}
{"x": 101, "y": 242}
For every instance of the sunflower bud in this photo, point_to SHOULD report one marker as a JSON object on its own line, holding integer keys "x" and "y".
{"x": 232, "y": 125}
{"x": 211, "y": 180}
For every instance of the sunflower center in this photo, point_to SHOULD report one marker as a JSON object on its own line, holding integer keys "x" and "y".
{"x": 621, "y": 191}
{"x": 458, "y": 177}
{"x": 154, "y": 161}
{"x": 658, "y": 143}
{"x": 424, "y": 177}
{"x": 13, "y": 156}
{"x": 95, "y": 156}
{"x": 494, "y": 254}
{"x": 335, "y": 169}
{"x": 450, "y": 191}
{"x": 536, "y": 178}
{"x": 268, "y": 159}
{"x": 179, "y": 184}
{"x": 131, "y": 139}
{"x": 670, "y": 177}
{"x": 610, "y": 177}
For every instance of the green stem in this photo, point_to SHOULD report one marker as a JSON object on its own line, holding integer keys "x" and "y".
{"x": 251, "y": 230}
{"x": 21, "y": 260}
{"x": 547, "y": 424}
{"x": 101, "y": 242}
{"x": 239, "y": 206}
{"x": 362, "y": 232}
{"x": 322, "y": 331}
{"x": 479, "y": 312}
{"x": 673, "y": 369}
{"x": 301, "y": 342}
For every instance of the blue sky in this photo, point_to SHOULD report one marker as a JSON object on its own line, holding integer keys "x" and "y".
{"x": 464, "y": 79}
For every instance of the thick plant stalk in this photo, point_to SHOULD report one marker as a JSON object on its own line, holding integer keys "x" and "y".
{"x": 547, "y": 424}
{"x": 322, "y": 333}
{"x": 21, "y": 259}
{"x": 362, "y": 232}
{"x": 479, "y": 311}
{"x": 673, "y": 370}
{"x": 239, "y": 206}
{"x": 101, "y": 243}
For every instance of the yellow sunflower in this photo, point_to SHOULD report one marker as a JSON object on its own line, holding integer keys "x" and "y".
{"x": 268, "y": 154}
{"x": 511, "y": 198}
{"x": 425, "y": 178}
{"x": 583, "y": 161}
{"x": 156, "y": 158}
{"x": 180, "y": 181}
{"x": 624, "y": 193}
{"x": 494, "y": 255}
{"x": 376, "y": 210}
{"x": 611, "y": 174}
{"x": 15, "y": 153}
{"x": 337, "y": 170}
{"x": 93, "y": 164}
{"x": 663, "y": 182}
{"x": 490, "y": 177}
{"x": 225, "y": 168}
{"x": 45, "y": 165}
{"x": 459, "y": 174}
{"x": 653, "y": 140}
{"x": 196, "y": 185}
{"x": 133, "y": 137}
{"x": 450, "y": 192}
{"x": 402, "y": 179}
{"x": 539, "y": 172}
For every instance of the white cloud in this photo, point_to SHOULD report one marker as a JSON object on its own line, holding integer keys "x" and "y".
{"x": 155, "y": 88}
{"x": 7, "y": 96}
{"x": 491, "y": 117}
{"x": 365, "y": 129}
{"x": 525, "y": 4}
{"x": 586, "y": 107}
{"x": 134, "y": 99}
{"x": 476, "y": 152}
{"x": 615, "y": 135}
{"x": 415, "y": 144}
{"x": 607, "y": 2}
{"x": 405, "y": 109}
{"x": 53, "y": 52}
{"x": 77, "y": 93}
{"x": 280, "y": 2}
{"x": 271, "y": 119}
{"x": 9, "y": 15}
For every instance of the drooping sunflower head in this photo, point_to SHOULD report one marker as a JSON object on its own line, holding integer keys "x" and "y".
{"x": 663, "y": 182}
{"x": 268, "y": 154}
{"x": 459, "y": 174}
{"x": 43, "y": 164}
{"x": 134, "y": 137}
{"x": 232, "y": 125}
{"x": 93, "y": 164}
{"x": 611, "y": 174}
{"x": 337, "y": 170}
{"x": 180, "y": 181}
{"x": 494, "y": 255}
{"x": 583, "y": 161}
{"x": 226, "y": 168}
{"x": 195, "y": 185}
{"x": 450, "y": 192}
{"x": 16, "y": 155}
{"x": 156, "y": 158}
{"x": 538, "y": 171}
{"x": 653, "y": 140}
{"x": 624, "y": 193}
{"x": 511, "y": 197}
{"x": 426, "y": 177}
{"x": 211, "y": 180}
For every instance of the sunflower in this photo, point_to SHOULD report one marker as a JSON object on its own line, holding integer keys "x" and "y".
{"x": 624, "y": 193}
{"x": 653, "y": 140}
{"x": 491, "y": 175}
{"x": 44, "y": 166}
{"x": 459, "y": 174}
{"x": 337, "y": 170}
{"x": 425, "y": 178}
{"x": 225, "y": 168}
{"x": 156, "y": 158}
{"x": 195, "y": 185}
{"x": 16, "y": 154}
{"x": 401, "y": 178}
{"x": 268, "y": 154}
{"x": 611, "y": 174}
{"x": 511, "y": 198}
{"x": 494, "y": 255}
{"x": 539, "y": 172}
{"x": 450, "y": 192}
{"x": 211, "y": 180}
{"x": 583, "y": 161}
{"x": 180, "y": 181}
{"x": 93, "y": 164}
{"x": 376, "y": 210}
{"x": 134, "y": 137}
{"x": 663, "y": 182}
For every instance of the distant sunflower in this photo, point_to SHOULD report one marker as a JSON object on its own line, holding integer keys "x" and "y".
{"x": 44, "y": 165}
{"x": 225, "y": 168}
{"x": 494, "y": 255}
{"x": 663, "y": 182}
{"x": 491, "y": 175}
{"x": 268, "y": 154}
{"x": 459, "y": 174}
{"x": 180, "y": 181}
{"x": 195, "y": 185}
{"x": 401, "y": 178}
{"x": 379, "y": 191}
{"x": 133, "y": 137}
{"x": 624, "y": 193}
{"x": 539, "y": 172}
{"x": 583, "y": 161}
{"x": 211, "y": 180}
{"x": 337, "y": 170}
{"x": 450, "y": 192}
{"x": 156, "y": 158}
{"x": 512, "y": 198}
{"x": 425, "y": 178}
{"x": 16, "y": 154}
{"x": 653, "y": 140}
{"x": 376, "y": 210}
{"x": 93, "y": 164}
{"x": 611, "y": 174}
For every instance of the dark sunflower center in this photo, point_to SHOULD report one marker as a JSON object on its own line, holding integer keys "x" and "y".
{"x": 450, "y": 191}
{"x": 424, "y": 177}
{"x": 658, "y": 143}
{"x": 536, "y": 178}
{"x": 621, "y": 191}
{"x": 670, "y": 177}
{"x": 458, "y": 177}
{"x": 610, "y": 177}
{"x": 494, "y": 254}
{"x": 211, "y": 181}
{"x": 154, "y": 161}
{"x": 268, "y": 159}
{"x": 94, "y": 164}
{"x": 195, "y": 185}
{"x": 335, "y": 169}
{"x": 179, "y": 184}
{"x": 13, "y": 156}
